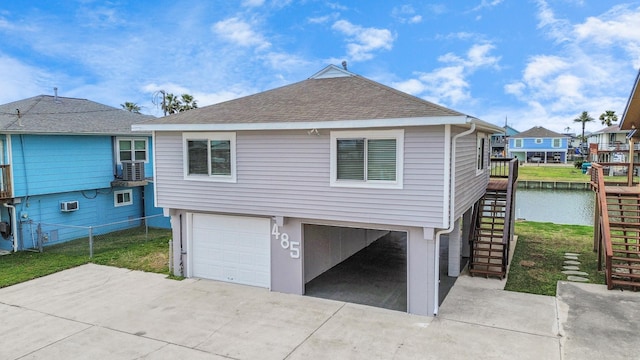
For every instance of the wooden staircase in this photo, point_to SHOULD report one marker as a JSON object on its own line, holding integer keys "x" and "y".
{"x": 493, "y": 219}
{"x": 618, "y": 232}
{"x": 487, "y": 248}
{"x": 624, "y": 230}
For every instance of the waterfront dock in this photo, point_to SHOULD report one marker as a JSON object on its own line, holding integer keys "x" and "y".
{"x": 553, "y": 185}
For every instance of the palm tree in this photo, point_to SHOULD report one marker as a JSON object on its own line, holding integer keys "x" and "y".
{"x": 583, "y": 118}
{"x": 188, "y": 103}
{"x": 171, "y": 104}
{"x": 608, "y": 117}
{"x": 131, "y": 107}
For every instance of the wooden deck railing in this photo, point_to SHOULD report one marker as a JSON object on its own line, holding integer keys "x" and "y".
{"x": 5, "y": 182}
{"x": 602, "y": 232}
{"x": 507, "y": 168}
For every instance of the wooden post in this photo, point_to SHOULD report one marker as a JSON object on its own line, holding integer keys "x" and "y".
{"x": 630, "y": 171}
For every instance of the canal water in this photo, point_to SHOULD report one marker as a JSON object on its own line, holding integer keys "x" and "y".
{"x": 574, "y": 207}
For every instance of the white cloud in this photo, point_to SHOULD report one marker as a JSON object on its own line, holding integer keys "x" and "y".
{"x": 411, "y": 86}
{"x": 448, "y": 84}
{"x": 21, "y": 81}
{"x": 240, "y": 32}
{"x": 252, "y": 3}
{"x": 406, "y": 14}
{"x": 557, "y": 29}
{"x": 486, "y": 4}
{"x": 585, "y": 74}
{"x": 362, "y": 42}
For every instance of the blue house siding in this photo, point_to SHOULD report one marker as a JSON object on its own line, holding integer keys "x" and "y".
{"x": 56, "y": 164}
{"x": 96, "y": 207}
{"x": 151, "y": 210}
{"x": 545, "y": 151}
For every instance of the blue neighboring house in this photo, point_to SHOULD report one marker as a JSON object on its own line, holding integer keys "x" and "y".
{"x": 71, "y": 161}
{"x": 539, "y": 145}
{"x": 499, "y": 141}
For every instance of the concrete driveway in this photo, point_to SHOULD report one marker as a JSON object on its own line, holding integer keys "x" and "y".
{"x": 99, "y": 312}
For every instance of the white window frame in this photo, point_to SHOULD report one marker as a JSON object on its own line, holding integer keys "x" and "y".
{"x": 132, "y": 139}
{"x": 517, "y": 143}
{"x": 559, "y": 140}
{"x": 209, "y": 136}
{"x": 397, "y": 134}
{"x": 481, "y": 145}
{"x": 538, "y": 141}
{"x": 122, "y": 192}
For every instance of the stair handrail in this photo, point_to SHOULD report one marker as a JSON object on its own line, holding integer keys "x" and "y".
{"x": 597, "y": 181}
{"x": 509, "y": 220}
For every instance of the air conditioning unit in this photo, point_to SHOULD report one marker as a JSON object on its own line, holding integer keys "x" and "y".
{"x": 68, "y": 206}
{"x": 133, "y": 170}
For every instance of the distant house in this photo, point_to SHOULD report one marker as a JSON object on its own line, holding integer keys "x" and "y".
{"x": 276, "y": 188}
{"x": 609, "y": 145}
{"x": 62, "y": 163}
{"x": 499, "y": 141}
{"x": 539, "y": 145}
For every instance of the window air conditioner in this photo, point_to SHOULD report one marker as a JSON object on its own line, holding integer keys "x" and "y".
{"x": 132, "y": 170}
{"x": 68, "y": 206}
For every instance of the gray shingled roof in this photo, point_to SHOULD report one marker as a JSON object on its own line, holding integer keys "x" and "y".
{"x": 538, "y": 132}
{"x": 610, "y": 129}
{"x": 316, "y": 99}
{"x": 45, "y": 114}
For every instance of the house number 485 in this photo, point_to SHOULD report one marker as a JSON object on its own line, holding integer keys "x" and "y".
{"x": 292, "y": 246}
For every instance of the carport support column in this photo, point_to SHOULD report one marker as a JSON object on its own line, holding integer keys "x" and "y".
{"x": 287, "y": 275}
{"x": 422, "y": 275}
{"x": 466, "y": 232}
{"x": 178, "y": 232}
{"x": 455, "y": 250}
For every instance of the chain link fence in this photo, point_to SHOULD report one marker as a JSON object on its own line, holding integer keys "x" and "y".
{"x": 90, "y": 240}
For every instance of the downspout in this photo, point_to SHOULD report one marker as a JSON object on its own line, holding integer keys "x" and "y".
{"x": 451, "y": 184}
{"x": 14, "y": 225}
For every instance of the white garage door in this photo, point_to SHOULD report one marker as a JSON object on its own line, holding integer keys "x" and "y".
{"x": 231, "y": 248}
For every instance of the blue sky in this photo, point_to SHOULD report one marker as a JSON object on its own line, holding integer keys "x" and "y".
{"x": 534, "y": 62}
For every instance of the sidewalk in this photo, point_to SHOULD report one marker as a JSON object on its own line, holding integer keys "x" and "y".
{"x": 101, "y": 312}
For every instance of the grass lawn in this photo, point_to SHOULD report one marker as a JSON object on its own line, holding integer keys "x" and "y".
{"x": 539, "y": 256}
{"x": 561, "y": 173}
{"x": 132, "y": 248}
{"x": 552, "y": 173}
{"x": 535, "y": 268}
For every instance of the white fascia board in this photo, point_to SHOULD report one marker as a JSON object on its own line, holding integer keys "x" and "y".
{"x": 306, "y": 125}
{"x": 485, "y": 126}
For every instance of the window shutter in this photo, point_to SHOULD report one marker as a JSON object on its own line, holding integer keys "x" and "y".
{"x": 381, "y": 156}
{"x": 350, "y": 162}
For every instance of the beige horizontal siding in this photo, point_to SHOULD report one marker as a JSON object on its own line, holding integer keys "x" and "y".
{"x": 286, "y": 173}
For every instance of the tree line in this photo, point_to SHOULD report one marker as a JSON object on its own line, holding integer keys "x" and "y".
{"x": 171, "y": 104}
{"x": 606, "y": 118}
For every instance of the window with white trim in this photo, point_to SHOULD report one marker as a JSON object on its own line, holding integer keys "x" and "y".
{"x": 210, "y": 156}
{"x": 538, "y": 141}
{"x": 367, "y": 158}
{"x": 480, "y": 152}
{"x": 517, "y": 143}
{"x": 123, "y": 197}
{"x": 556, "y": 143}
{"x": 133, "y": 149}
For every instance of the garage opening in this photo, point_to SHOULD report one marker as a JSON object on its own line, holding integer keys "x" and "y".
{"x": 362, "y": 266}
